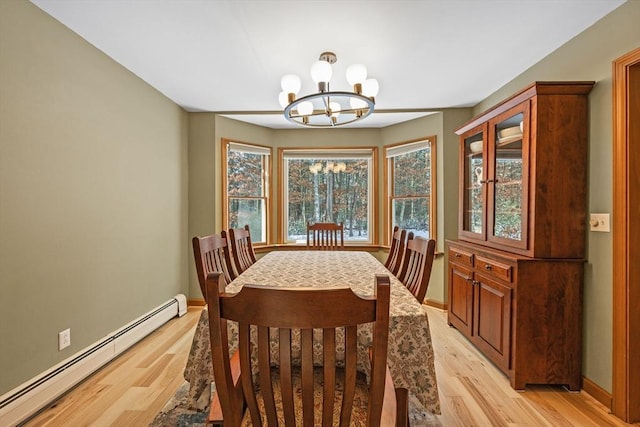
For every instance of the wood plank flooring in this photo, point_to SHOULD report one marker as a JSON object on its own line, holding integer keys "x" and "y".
{"x": 473, "y": 392}
{"x": 133, "y": 388}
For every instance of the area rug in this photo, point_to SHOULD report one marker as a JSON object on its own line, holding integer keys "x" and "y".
{"x": 176, "y": 413}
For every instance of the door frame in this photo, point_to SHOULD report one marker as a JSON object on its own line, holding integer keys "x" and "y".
{"x": 626, "y": 238}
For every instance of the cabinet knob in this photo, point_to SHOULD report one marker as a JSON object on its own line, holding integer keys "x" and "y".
{"x": 458, "y": 256}
{"x": 487, "y": 266}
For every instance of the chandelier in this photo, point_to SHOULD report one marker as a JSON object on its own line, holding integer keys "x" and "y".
{"x": 326, "y": 108}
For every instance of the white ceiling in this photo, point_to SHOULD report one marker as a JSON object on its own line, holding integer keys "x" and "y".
{"x": 228, "y": 56}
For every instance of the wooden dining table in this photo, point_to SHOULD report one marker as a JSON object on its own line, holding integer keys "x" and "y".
{"x": 410, "y": 352}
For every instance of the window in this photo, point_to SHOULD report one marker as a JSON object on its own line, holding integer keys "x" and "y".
{"x": 410, "y": 189}
{"x": 246, "y": 187}
{"x": 328, "y": 186}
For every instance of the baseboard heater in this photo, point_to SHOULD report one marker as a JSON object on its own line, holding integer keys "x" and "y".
{"x": 25, "y": 400}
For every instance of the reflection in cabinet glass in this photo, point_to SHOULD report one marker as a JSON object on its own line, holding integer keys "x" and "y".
{"x": 474, "y": 180}
{"x": 507, "y": 218}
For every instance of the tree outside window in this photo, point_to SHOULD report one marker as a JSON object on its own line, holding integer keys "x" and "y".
{"x": 246, "y": 187}
{"x": 327, "y": 186}
{"x": 411, "y": 186}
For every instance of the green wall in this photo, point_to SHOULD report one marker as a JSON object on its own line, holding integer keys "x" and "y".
{"x": 589, "y": 56}
{"x": 93, "y": 194}
{"x": 206, "y": 131}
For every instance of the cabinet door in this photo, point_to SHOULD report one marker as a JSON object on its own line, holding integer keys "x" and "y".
{"x": 460, "y": 298}
{"x": 492, "y": 320}
{"x": 508, "y": 177}
{"x": 472, "y": 219}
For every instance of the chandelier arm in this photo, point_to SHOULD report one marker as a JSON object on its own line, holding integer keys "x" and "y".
{"x": 326, "y": 101}
{"x": 355, "y": 110}
{"x": 315, "y": 113}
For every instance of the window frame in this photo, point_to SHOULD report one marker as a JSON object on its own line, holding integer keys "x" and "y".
{"x": 267, "y": 165}
{"x": 389, "y": 184}
{"x": 335, "y": 153}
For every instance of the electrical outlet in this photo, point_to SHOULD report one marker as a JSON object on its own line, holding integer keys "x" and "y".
{"x": 600, "y": 222}
{"x": 64, "y": 339}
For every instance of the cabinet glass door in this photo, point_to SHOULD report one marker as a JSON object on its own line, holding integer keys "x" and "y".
{"x": 508, "y": 194}
{"x": 473, "y": 184}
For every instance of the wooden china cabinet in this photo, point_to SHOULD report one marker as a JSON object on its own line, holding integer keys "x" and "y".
{"x": 516, "y": 270}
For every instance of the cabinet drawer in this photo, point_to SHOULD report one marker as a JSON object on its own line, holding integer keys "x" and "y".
{"x": 494, "y": 268}
{"x": 460, "y": 257}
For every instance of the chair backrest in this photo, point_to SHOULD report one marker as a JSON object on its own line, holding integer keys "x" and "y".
{"x": 396, "y": 251}
{"x": 211, "y": 253}
{"x": 325, "y": 236}
{"x": 241, "y": 248}
{"x": 416, "y": 265}
{"x": 292, "y": 310}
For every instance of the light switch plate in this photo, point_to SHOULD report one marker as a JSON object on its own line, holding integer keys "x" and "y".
{"x": 600, "y": 222}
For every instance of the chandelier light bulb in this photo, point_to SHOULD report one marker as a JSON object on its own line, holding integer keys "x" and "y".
{"x": 305, "y": 108}
{"x": 283, "y": 99}
{"x": 370, "y": 88}
{"x": 356, "y": 74}
{"x": 321, "y": 72}
{"x": 290, "y": 83}
{"x": 329, "y": 166}
{"x": 315, "y": 168}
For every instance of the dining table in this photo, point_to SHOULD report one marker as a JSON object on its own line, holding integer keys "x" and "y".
{"x": 410, "y": 355}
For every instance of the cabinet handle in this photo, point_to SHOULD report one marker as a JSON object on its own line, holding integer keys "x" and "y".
{"x": 458, "y": 256}
{"x": 487, "y": 266}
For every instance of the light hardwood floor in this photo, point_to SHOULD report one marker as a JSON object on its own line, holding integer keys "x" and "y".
{"x": 132, "y": 389}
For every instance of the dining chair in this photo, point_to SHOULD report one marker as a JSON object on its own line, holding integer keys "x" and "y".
{"x": 241, "y": 248}
{"x": 396, "y": 251}
{"x": 416, "y": 265}
{"x": 211, "y": 253}
{"x": 283, "y": 393}
{"x": 325, "y": 236}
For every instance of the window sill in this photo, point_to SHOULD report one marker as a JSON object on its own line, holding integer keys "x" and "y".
{"x": 292, "y": 247}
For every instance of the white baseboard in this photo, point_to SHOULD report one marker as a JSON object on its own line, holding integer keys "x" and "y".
{"x": 25, "y": 400}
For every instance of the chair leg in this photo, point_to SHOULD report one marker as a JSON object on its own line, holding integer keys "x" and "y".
{"x": 402, "y": 404}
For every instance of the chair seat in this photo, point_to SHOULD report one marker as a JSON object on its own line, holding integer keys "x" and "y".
{"x": 358, "y": 416}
